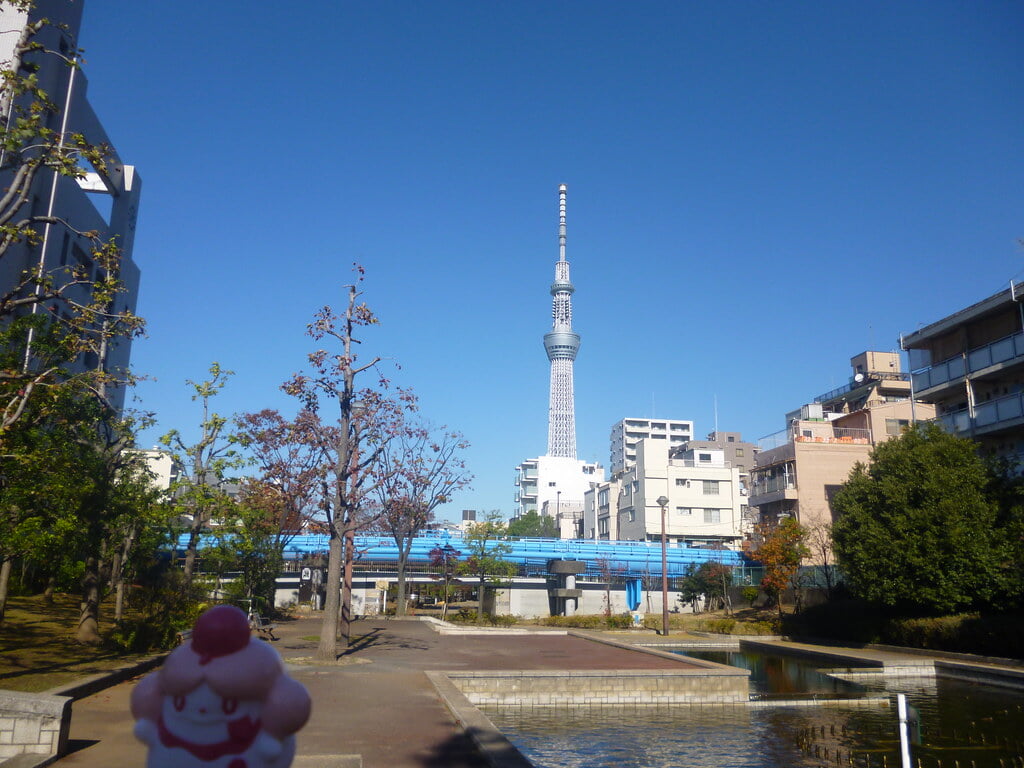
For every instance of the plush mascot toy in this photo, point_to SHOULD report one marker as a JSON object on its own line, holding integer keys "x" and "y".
{"x": 221, "y": 700}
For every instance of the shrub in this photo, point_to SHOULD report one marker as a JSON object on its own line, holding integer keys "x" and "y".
{"x": 989, "y": 635}
{"x": 851, "y": 620}
{"x": 621, "y": 621}
{"x": 721, "y": 626}
{"x": 750, "y": 594}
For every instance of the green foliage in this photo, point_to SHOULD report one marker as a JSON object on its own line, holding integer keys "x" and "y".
{"x": 921, "y": 528}
{"x": 590, "y": 621}
{"x": 988, "y": 635}
{"x": 467, "y": 616}
{"x": 750, "y": 594}
{"x": 533, "y": 525}
{"x": 721, "y": 626}
{"x": 709, "y": 581}
{"x": 164, "y": 607}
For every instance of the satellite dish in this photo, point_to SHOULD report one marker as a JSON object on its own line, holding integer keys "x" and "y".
{"x": 859, "y": 378}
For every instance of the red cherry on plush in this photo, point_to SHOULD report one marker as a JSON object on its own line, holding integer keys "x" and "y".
{"x": 221, "y": 630}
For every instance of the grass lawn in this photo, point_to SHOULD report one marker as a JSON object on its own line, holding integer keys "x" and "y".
{"x": 38, "y": 649}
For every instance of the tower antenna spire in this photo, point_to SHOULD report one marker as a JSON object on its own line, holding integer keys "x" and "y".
{"x": 561, "y": 344}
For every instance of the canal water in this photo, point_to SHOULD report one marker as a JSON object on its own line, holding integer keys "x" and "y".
{"x": 963, "y": 725}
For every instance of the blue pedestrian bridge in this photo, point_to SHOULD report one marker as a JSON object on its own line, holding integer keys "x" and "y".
{"x": 621, "y": 558}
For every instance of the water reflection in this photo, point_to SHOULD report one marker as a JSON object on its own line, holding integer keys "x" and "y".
{"x": 964, "y": 724}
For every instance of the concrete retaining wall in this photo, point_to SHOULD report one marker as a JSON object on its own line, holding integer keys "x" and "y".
{"x": 33, "y": 724}
{"x": 621, "y": 687}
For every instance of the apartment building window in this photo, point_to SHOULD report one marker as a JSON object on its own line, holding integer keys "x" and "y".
{"x": 896, "y": 426}
{"x": 682, "y": 481}
{"x": 631, "y": 516}
{"x": 712, "y": 515}
{"x": 739, "y": 453}
{"x": 602, "y": 526}
{"x": 551, "y": 485}
{"x": 704, "y": 457}
{"x": 710, "y": 487}
{"x": 602, "y": 497}
{"x": 684, "y": 511}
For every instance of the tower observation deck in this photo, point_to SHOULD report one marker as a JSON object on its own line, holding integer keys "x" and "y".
{"x": 561, "y": 344}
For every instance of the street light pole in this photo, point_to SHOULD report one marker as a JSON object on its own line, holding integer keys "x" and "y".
{"x": 663, "y": 502}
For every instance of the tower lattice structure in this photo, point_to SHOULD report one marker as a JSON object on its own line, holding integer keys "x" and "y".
{"x": 561, "y": 344}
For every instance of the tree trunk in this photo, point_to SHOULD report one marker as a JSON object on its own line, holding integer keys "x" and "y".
{"x": 88, "y": 619}
{"x": 5, "y": 579}
{"x": 328, "y": 648}
{"x": 400, "y": 588}
{"x": 480, "y": 601}
{"x": 346, "y": 586}
{"x": 51, "y": 587}
{"x": 190, "y": 554}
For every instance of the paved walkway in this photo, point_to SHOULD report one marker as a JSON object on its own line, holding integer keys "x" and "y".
{"x": 376, "y": 702}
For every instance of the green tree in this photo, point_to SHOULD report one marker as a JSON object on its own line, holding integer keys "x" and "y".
{"x": 534, "y": 526}
{"x": 77, "y": 299}
{"x": 485, "y": 550}
{"x": 920, "y": 528}
{"x": 706, "y": 586}
{"x": 199, "y": 493}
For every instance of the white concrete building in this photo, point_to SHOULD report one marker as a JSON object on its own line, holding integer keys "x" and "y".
{"x": 627, "y": 433}
{"x": 161, "y": 463}
{"x": 703, "y": 491}
{"x": 546, "y": 483}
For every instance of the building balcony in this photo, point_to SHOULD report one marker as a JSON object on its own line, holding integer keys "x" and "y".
{"x": 990, "y": 417}
{"x": 997, "y": 355}
{"x": 772, "y": 485}
{"x": 842, "y": 435}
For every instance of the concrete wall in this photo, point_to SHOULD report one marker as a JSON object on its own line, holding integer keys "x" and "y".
{"x": 524, "y": 597}
{"x": 633, "y": 687}
{"x": 33, "y": 724}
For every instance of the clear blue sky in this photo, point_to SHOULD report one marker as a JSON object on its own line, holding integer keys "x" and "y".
{"x": 757, "y": 192}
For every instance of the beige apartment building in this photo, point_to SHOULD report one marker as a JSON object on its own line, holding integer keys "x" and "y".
{"x": 705, "y": 504}
{"x": 799, "y": 469}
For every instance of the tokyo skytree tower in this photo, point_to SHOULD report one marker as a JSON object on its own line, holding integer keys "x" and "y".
{"x": 561, "y": 344}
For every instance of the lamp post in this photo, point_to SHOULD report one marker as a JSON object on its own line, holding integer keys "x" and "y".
{"x": 663, "y": 502}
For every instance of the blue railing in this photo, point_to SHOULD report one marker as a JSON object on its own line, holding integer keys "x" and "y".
{"x": 627, "y": 557}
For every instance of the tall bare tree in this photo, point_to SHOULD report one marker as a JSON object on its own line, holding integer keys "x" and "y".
{"x": 368, "y": 420}
{"x": 421, "y": 472}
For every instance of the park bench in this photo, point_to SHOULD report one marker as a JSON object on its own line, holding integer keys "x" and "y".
{"x": 261, "y": 626}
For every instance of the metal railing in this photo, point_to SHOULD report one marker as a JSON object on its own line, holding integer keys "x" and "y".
{"x": 1000, "y": 351}
{"x": 870, "y": 378}
{"x": 773, "y": 485}
{"x": 987, "y": 414}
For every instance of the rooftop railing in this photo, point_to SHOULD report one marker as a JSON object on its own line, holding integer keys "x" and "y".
{"x": 869, "y": 378}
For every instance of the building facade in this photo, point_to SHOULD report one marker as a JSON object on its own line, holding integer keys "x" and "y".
{"x": 105, "y": 200}
{"x": 627, "y": 433}
{"x": 545, "y": 483}
{"x": 704, "y": 506}
{"x": 799, "y": 469}
{"x": 970, "y": 367}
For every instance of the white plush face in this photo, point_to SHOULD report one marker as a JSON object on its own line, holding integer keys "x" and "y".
{"x": 202, "y": 715}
